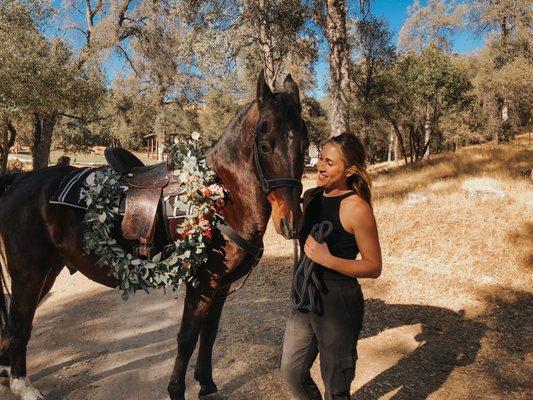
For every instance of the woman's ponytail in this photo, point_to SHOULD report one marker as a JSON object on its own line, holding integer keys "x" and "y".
{"x": 360, "y": 182}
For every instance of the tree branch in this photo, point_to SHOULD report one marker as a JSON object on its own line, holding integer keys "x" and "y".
{"x": 87, "y": 121}
{"x": 129, "y": 60}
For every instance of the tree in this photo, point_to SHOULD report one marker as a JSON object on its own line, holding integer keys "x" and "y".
{"x": 431, "y": 25}
{"x": 217, "y": 111}
{"x": 163, "y": 64}
{"x": 421, "y": 89}
{"x": 21, "y": 48}
{"x": 374, "y": 55}
{"x": 503, "y": 82}
{"x": 316, "y": 118}
{"x": 69, "y": 84}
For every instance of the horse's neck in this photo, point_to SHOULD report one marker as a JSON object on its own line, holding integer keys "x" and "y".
{"x": 248, "y": 210}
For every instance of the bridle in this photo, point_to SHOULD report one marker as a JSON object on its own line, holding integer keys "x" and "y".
{"x": 267, "y": 185}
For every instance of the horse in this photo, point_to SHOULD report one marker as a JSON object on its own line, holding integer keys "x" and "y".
{"x": 258, "y": 158}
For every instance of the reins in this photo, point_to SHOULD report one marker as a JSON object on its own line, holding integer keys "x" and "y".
{"x": 306, "y": 285}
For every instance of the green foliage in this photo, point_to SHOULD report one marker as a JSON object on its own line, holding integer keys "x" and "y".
{"x": 316, "y": 118}
{"x": 375, "y": 55}
{"x": 422, "y": 88}
{"x": 216, "y": 113}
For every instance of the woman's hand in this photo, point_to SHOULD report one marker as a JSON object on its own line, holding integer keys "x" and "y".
{"x": 317, "y": 252}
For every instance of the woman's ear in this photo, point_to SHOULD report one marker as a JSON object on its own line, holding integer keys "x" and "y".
{"x": 351, "y": 171}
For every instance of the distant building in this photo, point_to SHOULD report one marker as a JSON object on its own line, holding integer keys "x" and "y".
{"x": 312, "y": 155}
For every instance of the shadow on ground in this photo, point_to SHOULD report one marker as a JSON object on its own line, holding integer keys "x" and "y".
{"x": 248, "y": 347}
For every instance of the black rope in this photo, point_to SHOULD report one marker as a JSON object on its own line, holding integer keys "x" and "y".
{"x": 305, "y": 283}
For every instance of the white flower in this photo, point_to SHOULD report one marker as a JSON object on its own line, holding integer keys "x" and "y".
{"x": 183, "y": 177}
{"x": 195, "y": 135}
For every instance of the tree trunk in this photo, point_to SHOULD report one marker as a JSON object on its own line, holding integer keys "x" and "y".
{"x": 505, "y": 113}
{"x": 265, "y": 40}
{"x": 8, "y": 140}
{"x": 397, "y": 149}
{"x": 399, "y": 142}
{"x": 42, "y": 139}
{"x": 338, "y": 65}
{"x": 391, "y": 146}
{"x": 412, "y": 144}
{"x": 427, "y": 133}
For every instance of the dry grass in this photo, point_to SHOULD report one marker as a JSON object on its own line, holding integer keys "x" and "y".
{"x": 477, "y": 238}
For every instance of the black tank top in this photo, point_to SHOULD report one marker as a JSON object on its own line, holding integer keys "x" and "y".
{"x": 341, "y": 243}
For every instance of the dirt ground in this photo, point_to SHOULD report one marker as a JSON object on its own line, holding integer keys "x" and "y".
{"x": 432, "y": 330}
{"x": 419, "y": 341}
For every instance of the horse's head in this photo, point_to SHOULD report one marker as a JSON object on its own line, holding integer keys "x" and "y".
{"x": 281, "y": 141}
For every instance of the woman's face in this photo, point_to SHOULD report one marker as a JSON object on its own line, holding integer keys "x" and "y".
{"x": 331, "y": 172}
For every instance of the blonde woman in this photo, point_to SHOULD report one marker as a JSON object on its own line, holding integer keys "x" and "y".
{"x": 342, "y": 197}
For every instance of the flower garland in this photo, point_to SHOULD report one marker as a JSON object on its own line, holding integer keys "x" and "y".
{"x": 202, "y": 198}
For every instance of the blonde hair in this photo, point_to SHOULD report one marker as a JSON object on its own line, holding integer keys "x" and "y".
{"x": 353, "y": 154}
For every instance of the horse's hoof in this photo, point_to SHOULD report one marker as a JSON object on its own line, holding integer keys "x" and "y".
{"x": 206, "y": 390}
{"x": 22, "y": 388}
{"x": 4, "y": 371}
{"x": 176, "y": 391}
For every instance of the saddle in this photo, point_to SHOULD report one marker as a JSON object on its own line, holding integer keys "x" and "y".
{"x": 146, "y": 189}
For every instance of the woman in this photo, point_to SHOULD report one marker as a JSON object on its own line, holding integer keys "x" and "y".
{"x": 343, "y": 197}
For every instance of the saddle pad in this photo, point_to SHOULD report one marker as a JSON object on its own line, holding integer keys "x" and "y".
{"x": 73, "y": 188}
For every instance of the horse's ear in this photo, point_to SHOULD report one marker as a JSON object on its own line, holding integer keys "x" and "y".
{"x": 291, "y": 88}
{"x": 263, "y": 90}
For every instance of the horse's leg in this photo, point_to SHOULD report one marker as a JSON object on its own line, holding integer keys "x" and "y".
{"x": 194, "y": 312}
{"x": 203, "y": 372}
{"x": 26, "y": 293}
{"x": 4, "y": 340}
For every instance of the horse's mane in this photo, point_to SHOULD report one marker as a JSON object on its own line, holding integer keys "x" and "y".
{"x": 226, "y": 147}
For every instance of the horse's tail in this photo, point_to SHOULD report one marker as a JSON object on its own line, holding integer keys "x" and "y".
{"x": 7, "y": 180}
{"x": 5, "y": 295}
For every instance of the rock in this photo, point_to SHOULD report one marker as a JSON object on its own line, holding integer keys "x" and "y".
{"x": 487, "y": 193}
{"x": 416, "y": 198}
{"x": 483, "y": 187}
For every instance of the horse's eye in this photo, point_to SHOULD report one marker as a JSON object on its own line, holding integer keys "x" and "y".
{"x": 264, "y": 147}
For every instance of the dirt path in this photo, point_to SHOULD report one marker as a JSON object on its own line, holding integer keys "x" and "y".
{"x": 424, "y": 337}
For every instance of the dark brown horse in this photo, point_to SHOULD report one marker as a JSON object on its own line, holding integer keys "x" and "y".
{"x": 37, "y": 239}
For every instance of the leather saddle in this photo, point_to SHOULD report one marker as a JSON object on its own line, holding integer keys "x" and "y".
{"x": 148, "y": 188}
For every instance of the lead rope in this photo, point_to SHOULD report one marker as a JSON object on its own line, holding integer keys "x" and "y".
{"x": 305, "y": 282}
